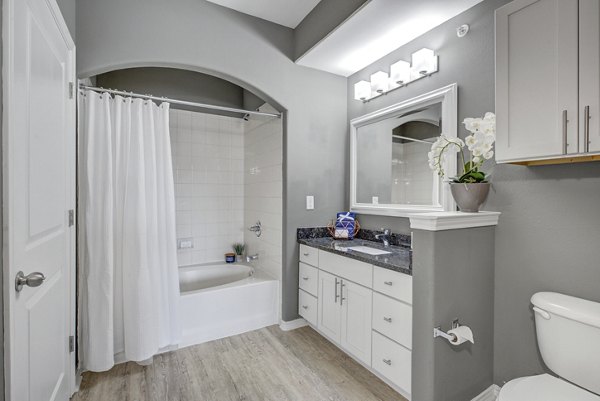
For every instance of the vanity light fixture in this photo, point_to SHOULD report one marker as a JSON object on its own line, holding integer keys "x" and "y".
{"x": 362, "y": 91}
{"x": 380, "y": 81}
{"x": 400, "y": 72}
{"x": 424, "y": 63}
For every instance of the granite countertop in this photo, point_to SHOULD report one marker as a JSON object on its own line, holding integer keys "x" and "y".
{"x": 400, "y": 258}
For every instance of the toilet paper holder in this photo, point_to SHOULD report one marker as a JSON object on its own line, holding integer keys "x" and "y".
{"x": 438, "y": 332}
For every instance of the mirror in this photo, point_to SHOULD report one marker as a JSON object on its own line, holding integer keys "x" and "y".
{"x": 389, "y": 163}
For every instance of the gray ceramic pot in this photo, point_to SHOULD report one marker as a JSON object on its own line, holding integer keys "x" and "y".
{"x": 470, "y": 197}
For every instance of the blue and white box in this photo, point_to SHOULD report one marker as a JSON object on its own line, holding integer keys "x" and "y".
{"x": 344, "y": 225}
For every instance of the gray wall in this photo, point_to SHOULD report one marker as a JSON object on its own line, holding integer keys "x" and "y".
{"x": 254, "y": 54}
{"x": 68, "y": 10}
{"x": 547, "y": 236}
{"x": 321, "y": 21}
{"x": 177, "y": 84}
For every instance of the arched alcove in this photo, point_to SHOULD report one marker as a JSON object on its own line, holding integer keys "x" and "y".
{"x": 256, "y": 55}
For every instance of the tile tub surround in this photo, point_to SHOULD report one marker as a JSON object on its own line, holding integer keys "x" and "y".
{"x": 400, "y": 258}
{"x": 263, "y": 189}
{"x": 208, "y": 164}
{"x": 396, "y": 239}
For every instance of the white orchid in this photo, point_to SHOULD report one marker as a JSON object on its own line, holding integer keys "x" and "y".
{"x": 480, "y": 143}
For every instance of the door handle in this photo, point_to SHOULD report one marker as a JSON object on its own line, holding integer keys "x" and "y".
{"x": 586, "y": 128}
{"x": 34, "y": 279}
{"x": 565, "y": 124}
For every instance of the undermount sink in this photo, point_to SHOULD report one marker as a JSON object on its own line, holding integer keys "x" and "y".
{"x": 368, "y": 250}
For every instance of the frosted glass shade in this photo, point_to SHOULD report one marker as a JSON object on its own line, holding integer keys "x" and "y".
{"x": 379, "y": 82}
{"x": 362, "y": 90}
{"x": 424, "y": 62}
{"x": 400, "y": 72}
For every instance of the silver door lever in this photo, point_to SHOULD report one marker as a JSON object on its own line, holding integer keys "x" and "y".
{"x": 34, "y": 279}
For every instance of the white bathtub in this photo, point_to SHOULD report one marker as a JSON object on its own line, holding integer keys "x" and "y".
{"x": 220, "y": 300}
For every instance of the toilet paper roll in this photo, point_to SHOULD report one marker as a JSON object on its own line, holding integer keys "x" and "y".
{"x": 462, "y": 334}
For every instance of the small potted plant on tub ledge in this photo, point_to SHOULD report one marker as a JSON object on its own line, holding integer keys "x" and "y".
{"x": 239, "y": 249}
{"x": 470, "y": 189}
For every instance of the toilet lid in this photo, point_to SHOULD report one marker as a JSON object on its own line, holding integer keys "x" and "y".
{"x": 543, "y": 388}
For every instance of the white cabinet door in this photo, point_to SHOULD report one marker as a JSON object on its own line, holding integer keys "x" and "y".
{"x": 357, "y": 304}
{"x": 537, "y": 79}
{"x": 589, "y": 74}
{"x": 329, "y": 306}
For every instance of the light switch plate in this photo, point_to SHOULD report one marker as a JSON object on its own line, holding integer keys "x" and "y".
{"x": 310, "y": 202}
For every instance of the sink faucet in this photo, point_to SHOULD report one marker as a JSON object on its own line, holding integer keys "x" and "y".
{"x": 384, "y": 236}
{"x": 251, "y": 258}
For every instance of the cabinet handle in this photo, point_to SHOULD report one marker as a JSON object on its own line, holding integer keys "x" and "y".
{"x": 586, "y": 128}
{"x": 304, "y": 277}
{"x": 306, "y": 253}
{"x": 388, "y": 283}
{"x": 304, "y": 306}
{"x": 342, "y": 299}
{"x": 565, "y": 122}
{"x": 387, "y": 361}
{"x": 336, "y": 291}
{"x": 388, "y": 319}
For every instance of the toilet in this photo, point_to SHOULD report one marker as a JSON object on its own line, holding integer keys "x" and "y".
{"x": 568, "y": 334}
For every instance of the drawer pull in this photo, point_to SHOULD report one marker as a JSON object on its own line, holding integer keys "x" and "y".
{"x": 387, "y": 362}
{"x": 306, "y": 253}
{"x": 304, "y": 277}
{"x": 388, "y": 319}
{"x": 388, "y": 283}
{"x": 305, "y": 306}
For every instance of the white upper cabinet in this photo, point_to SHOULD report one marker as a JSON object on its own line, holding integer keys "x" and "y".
{"x": 537, "y": 90}
{"x": 589, "y": 74}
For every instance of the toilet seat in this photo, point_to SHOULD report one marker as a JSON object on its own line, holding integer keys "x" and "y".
{"x": 543, "y": 388}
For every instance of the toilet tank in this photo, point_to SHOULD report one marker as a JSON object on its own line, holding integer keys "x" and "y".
{"x": 568, "y": 333}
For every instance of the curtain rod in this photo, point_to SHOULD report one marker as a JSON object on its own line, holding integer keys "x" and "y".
{"x": 176, "y": 101}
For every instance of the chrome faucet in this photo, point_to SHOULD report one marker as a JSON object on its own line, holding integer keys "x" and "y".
{"x": 384, "y": 236}
{"x": 256, "y": 229}
{"x": 250, "y": 258}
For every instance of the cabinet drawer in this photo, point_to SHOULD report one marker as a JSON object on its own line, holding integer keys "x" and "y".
{"x": 392, "y": 361}
{"x": 393, "y": 319}
{"x": 308, "y": 278}
{"x": 394, "y": 284}
{"x": 309, "y": 255}
{"x": 307, "y": 307}
{"x": 351, "y": 269}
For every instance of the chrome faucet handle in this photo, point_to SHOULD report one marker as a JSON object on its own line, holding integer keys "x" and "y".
{"x": 386, "y": 231}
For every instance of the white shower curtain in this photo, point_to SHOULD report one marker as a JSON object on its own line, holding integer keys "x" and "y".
{"x": 129, "y": 280}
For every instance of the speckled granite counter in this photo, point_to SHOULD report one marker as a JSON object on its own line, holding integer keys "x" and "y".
{"x": 400, "y": 258}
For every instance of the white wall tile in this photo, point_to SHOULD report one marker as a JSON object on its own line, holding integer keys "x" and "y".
{"x": 208, "y": 192}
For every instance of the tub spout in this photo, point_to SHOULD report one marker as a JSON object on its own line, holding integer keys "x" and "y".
{"x": 251, "y": 258}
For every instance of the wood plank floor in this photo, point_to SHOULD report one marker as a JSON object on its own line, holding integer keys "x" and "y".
{"x": 267, "y": 364}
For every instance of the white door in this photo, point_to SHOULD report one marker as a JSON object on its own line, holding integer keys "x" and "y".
{"x": 329, "y": 320}
{"x": 537, "y": 79}
{"x": 39, "y": 184}
{"x": 357, "y": 312}
{"x": 589, "y": 74}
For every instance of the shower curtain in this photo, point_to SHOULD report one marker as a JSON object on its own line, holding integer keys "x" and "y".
{"x": 129, "y": 281}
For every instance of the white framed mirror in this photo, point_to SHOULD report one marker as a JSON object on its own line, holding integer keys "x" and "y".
{"x": 389, "y": 170}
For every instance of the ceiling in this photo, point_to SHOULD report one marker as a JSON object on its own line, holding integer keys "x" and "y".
{"x": 377, "y": 29}
{"x": 284, "y": 12}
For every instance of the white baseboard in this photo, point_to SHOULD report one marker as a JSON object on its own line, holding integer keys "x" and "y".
{"x": 490, "y": 394}
{"x": 292, "y": 325}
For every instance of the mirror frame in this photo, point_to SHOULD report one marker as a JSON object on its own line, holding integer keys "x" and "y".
{"x": 448, "y": 96}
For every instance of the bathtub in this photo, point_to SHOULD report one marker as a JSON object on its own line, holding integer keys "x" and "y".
{"x": 220, "y": 300}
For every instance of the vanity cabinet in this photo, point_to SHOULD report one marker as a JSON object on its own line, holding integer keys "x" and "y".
{"x": 364, "y": 309}
{"x": 548, "y": 81}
